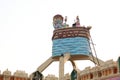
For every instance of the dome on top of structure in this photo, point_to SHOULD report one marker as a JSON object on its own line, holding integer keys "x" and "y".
{"x": 7, "y": 72}
{"x": 58, "y": 21}
{"x": 58, "y": 16}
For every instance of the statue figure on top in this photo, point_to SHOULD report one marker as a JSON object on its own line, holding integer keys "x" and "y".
{"x": 77, "y": 22}
{"x": 65, "y": 25}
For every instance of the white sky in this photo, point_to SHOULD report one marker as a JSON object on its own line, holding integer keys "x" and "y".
{"x": 26, "y": 31}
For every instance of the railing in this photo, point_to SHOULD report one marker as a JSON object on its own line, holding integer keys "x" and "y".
{"x": 71, "y": 32}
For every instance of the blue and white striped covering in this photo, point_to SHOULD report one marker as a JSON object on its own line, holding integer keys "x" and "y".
{"x": 74, "y": 46}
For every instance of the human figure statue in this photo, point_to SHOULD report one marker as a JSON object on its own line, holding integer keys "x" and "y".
{"x": 74, "y": 24}
{"x": 65, "y": 25}
{"x": 77, "y": 21}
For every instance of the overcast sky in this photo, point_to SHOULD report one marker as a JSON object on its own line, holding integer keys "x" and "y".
{"x": 26, "y": 31}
